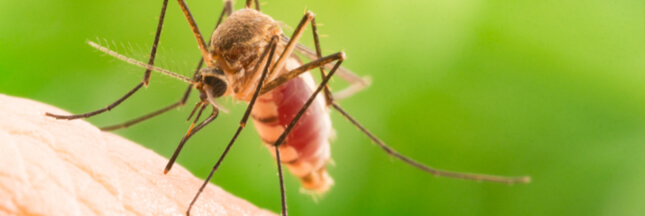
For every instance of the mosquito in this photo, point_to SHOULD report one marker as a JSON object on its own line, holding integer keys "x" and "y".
{"x": 249, "y": 58}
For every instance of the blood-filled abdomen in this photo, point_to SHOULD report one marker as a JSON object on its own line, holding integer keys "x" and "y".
{"x": 306, "y": 149}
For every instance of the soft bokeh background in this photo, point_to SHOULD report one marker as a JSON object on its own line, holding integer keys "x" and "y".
{"x": 551, "y": 89}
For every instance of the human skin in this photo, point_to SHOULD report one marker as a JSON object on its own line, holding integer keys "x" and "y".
{"x": 60, "y": 167}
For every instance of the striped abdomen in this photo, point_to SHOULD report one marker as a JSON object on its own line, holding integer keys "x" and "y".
{"x": 306, "y": 149}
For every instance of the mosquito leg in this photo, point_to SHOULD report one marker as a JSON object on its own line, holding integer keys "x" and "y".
{"x": 293, "y": 122}
{"x": 434, "y": 171}
{"x": 272, "y": 44}
{"x": 153, "y": 52}
{"x": 198, "y": 35}
{"x": 249, "y": 2}
{"x": 142, "y": 118}
{"x": 93, "y": 113}
{"x": 302, "y": 69}
{"x": 391, "y": 151}
{"x": 144, "y": 82}
{"x": 181, "y": 102}
{"x": 228, "y": 8}
{"x": 357, "y": 86}
{"x": 228, "y": 5}
{"x": 283, "y": 194}
{"x": 290, "y": 45}
{"x": 328, "y": 96}
{"x": 195, "y": 109}
{"x": 189, "y": 134}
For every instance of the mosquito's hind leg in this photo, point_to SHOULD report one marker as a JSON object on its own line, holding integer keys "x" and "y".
{"x": 357, "y": 86}
{"x": 431, "y": 170}
{"x": 434, "y": 171}
{"x": 322, "y": 61}
{"x": 144, "y": 82}
{"x": 227, "y": 9}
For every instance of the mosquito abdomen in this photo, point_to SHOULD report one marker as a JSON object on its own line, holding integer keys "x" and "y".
{"x": 306, "y": 149}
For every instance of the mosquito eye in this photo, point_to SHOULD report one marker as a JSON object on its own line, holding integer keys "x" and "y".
{"x": 217, "y": 85}
{"x": 215, "y": 79}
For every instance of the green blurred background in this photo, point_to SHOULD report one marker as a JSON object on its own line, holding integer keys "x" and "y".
{"x": 552, "y": 89}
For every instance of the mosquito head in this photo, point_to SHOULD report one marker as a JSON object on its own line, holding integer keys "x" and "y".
{"x": 211, "y": 79}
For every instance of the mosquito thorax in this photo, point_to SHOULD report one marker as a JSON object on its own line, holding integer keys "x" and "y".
{"x": 212, "y": 79}
{"x": 238, "y": 41}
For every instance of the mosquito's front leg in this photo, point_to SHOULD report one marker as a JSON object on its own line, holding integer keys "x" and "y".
{"x": 144, "y": 82}
{"x": 227, "y": 9}
{"x": 155, "y": 44}
{"x": 191, "y": 131}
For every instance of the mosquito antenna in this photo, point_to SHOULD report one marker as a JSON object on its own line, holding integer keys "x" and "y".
{"x": 140, "y": 64}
